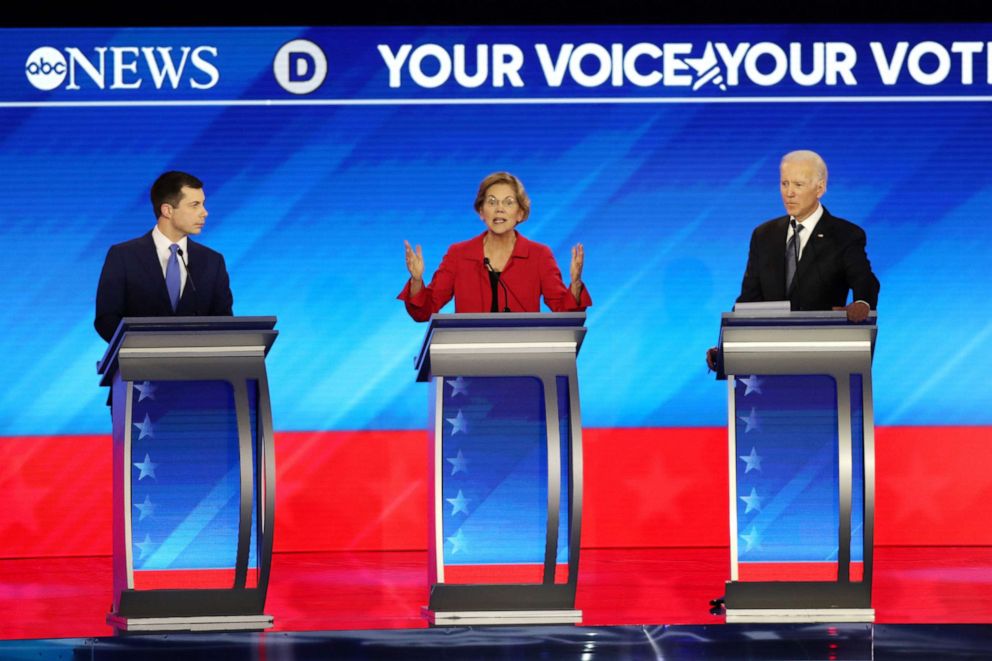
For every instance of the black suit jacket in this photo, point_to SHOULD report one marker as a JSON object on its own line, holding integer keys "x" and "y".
{"x": 132, "y": 285}
{"x": 833, "y": 263}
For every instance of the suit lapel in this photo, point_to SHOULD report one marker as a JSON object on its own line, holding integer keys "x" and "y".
{"x": 148, "y": 257}
{"x": 815, "y": 246}
{"x": 188, "y": 300}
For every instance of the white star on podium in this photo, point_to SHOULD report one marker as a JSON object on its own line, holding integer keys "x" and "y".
{"x": 457, "y": 542}
{"x": 146, "y": 467}
{"x": 752, "y": 384}
{"x": 458, "y": 386}
{"x": 147, "y": 390}
{"x": 144, "y": 546}
{"x": 753, "y": 501}
{"x": 145, "y": 428}
{"x": 458, "y": 464}
{"x": 459, "y": 424}
{"x": 458, "y": 503}
{"x": 753, "y": 539}
{"x": 751, "y": 421}
{"x": 752, "y": 460}
{"x": 146, "y": 508}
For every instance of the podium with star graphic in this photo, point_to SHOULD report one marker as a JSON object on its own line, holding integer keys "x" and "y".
{"x": 505, "y": 467}
{"x": 194, "y": 472}
{"x": 801, "y": 439}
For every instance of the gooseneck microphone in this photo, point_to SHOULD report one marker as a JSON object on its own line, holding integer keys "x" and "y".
{"x": 189, "y": 279}
{"x": 506, "y": 295}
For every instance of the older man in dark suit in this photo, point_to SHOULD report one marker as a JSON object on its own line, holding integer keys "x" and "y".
{"x": 809, "y": 257}
{"x": 164, "y": 273}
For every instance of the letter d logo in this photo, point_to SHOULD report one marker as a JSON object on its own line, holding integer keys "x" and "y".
{"x": 300, "y": 66}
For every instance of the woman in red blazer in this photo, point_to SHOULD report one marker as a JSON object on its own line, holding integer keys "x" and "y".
{"x": 498, "y": 271}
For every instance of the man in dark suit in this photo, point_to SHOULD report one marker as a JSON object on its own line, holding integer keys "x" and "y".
{"x": 829, "y": 251}
{"x": 809, "y": 257}
{"x": 164, "y": 273}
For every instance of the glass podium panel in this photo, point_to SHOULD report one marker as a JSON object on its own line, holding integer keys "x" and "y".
{"x": 787, "y": 478}
{"x": 494, "y": 480}
{"x": 185, "y": 484}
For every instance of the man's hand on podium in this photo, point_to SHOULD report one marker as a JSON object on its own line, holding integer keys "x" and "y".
{"x": 856, "y": 311}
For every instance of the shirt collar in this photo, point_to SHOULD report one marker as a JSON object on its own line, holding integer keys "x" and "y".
{"x": 162, "y": 243}
{"x": 810, "y": 223}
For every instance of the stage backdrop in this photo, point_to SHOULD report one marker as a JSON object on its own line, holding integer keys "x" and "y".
{"x": 321, "y": 150}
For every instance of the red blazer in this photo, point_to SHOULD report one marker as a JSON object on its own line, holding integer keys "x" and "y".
{"x": 530, "y": 273}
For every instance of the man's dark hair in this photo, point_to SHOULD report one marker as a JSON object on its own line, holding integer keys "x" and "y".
{"x": 168, "y": 189}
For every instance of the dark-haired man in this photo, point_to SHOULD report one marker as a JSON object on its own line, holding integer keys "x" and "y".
{"x": 164, "y": 273}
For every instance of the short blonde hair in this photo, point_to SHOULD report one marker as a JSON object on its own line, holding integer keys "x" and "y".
{"x": 504, "y": 178}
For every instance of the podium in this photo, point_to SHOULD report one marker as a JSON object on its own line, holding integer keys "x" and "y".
{"x": 505, "y": 437}
{"x": 194, "y": 472}
{"x": 802, "y": 467}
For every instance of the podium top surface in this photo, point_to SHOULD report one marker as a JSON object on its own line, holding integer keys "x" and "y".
{"x": 790, "y": 318}
{"x": 151, "y": 331}
{"x": 487, "y": 325}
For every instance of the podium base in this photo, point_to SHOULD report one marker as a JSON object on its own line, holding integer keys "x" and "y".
{"x": 209, "y": 623}
{"x": 786, "y": 615}
{"x": 480, "y": 618}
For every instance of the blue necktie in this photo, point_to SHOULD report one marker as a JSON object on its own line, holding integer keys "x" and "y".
{"x": 172, "y": 280}
{"x": 791, "y": 259}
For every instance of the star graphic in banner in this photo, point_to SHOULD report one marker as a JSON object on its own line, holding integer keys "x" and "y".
{"x": 752, "y": 460}
{"x": 459, "y": 424}
{"x": 146, "y": 467}
{"x": 458, "y": 503}
{"x": 750, "y": 421}
{"x": 752, "y": 384}
{"x": 146, "y": 508}
{"x": 458, "y": 464}
{"x": 457, "y": 542}
{"x": 145, "y": 428}
{"x": 147, "y": 390}
{"x": 753, "y": 501}
{"x": 458, "y": 386}
{"x": 145, "y": 546}
{"x": 752, "y": 538}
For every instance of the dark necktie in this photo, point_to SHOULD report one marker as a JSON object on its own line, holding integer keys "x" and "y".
{"x": 792, "y": 256}
{"x": 172, "y": 280}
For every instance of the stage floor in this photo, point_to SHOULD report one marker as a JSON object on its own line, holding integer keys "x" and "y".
{"x": 69, "y": 597}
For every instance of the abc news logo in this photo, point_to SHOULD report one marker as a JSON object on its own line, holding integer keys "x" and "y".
{"x": 122, "y": 67}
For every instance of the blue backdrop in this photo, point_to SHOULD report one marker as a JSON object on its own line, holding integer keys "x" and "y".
{"x": 311, "y": 196}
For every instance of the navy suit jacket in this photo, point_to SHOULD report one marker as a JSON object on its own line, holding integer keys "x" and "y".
{"x": 132, "y": 285}
{"x": 833, "y": 263}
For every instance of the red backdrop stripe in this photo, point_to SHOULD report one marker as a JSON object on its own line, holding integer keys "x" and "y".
{"x": 368, "y": 490}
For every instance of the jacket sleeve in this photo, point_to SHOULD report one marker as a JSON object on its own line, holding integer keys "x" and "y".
{"x": 111, "y": 294}
{"x": 857, "y": 269}
{"x": 751, "y": 284}
{"x": 434, "y": 296}
{"x": 221, "y": 299}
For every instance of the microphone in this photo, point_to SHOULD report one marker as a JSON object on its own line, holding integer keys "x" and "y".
{"x": 189, "y": 278}
{"x": 795, "y": 250}
{"x": 506, "y": 296}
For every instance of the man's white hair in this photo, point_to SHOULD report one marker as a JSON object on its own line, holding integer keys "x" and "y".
{"x": 807, "y": 156}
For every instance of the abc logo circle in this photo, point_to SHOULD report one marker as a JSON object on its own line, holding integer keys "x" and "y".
{"x": 300, "y": 66}
{"x": 45, "y": 68}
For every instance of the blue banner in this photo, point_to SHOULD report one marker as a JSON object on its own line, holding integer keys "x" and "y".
{"x": 323, "y": 149}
